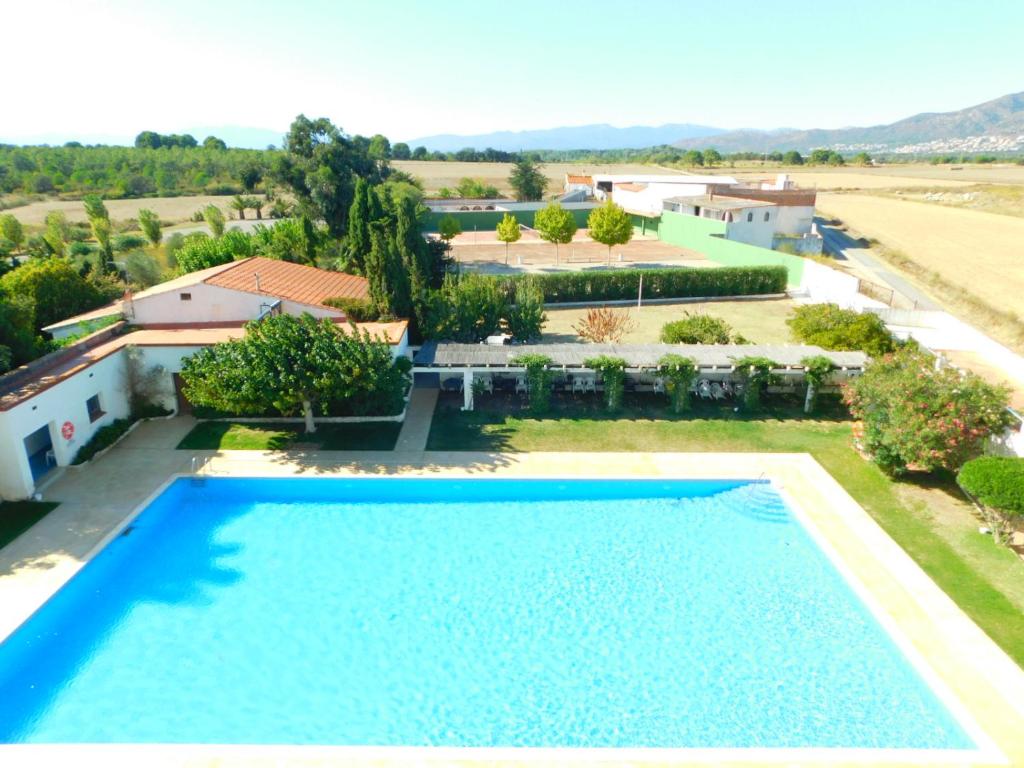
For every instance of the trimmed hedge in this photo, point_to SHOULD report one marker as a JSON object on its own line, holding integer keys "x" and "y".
{"x": 662, "y": 283}
{"x": 995, "y": 481}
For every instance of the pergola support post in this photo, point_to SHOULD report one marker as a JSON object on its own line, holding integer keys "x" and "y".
{"x": 467, "y": 390}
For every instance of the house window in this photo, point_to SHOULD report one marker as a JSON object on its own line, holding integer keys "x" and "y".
{"x": 92, "y": 405}
{"x": 185, "y": 296}
{"x": 766, "y": 216}
{"x": 750, "y": 217}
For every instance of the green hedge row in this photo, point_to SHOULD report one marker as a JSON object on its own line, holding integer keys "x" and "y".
{"x": 995, "y": 481}
{"x": 665, "y": 283}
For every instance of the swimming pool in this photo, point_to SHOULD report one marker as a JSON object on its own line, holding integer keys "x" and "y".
{"x": 476, "y": 613}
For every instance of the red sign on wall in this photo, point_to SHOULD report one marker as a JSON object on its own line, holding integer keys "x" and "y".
{"x": 67, "y": 429}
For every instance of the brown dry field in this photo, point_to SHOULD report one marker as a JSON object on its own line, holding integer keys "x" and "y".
{"x": 762, "y": 322}
{"x": 441, "y": 174}
{"x": 169, "y": 209}
{"x": 981, "y": 252}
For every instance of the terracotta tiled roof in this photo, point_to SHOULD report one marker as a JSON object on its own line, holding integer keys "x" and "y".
{"x": 631, "y": 187}
{"x": 294, "y": 282}
{"x": 571, "y": 178}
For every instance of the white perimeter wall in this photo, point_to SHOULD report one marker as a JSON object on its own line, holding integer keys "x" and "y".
{"x": 794, "y": 219}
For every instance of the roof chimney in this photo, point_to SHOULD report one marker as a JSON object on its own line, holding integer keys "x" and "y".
{"x": 257, "y": 276}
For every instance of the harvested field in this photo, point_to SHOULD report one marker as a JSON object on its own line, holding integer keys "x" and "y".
{"x": 979, "y": 252}
{"x": 443, "y": 174}
{"x": 169, "y": 209}
{"x": 1005, "y": 199}
{"x": 888, "y": 176}
{"x": 763, "y": 322}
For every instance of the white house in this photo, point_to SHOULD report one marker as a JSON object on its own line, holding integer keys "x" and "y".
{"x": 51, "y": 407}
{"x": 643, "y": 193}
{"x": 576, "y": 182}
{"x": 747, "y": 221}
{"x": 235, "y": 292}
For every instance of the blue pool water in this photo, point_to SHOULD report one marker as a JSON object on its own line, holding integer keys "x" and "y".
{"x": 465, "y": 613}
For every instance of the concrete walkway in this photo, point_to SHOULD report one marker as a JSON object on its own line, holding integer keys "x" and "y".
{"x": 416, "y": 428}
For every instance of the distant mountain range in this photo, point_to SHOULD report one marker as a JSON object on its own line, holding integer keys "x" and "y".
{"x": 994, "y": 125}
{"x": 600, "y": 136}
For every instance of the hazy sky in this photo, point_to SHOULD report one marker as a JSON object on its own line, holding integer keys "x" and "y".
{"x": 92, "y": 68}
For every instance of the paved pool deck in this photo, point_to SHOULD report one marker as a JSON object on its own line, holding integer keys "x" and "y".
{"x": 979, "y": 683}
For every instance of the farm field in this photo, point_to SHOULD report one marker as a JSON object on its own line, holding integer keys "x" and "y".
{"x": 887, "y": 176}
{"x": 977, "y": 251}
{"x": 761, "y": 322}
{"x": 1005, "y": 199}
{"x": 442, "y": 174}
{"x": 169, "y": 209}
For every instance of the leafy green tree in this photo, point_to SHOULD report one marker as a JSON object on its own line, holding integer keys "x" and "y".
{"x": 448, "y": 228}
{"x": 792, "y": 158}
{"x": 57, "y": 232}
{"x": 99, "y": 221}
{"x": 756, "y": 374}
{"x": 613, "y": 376}
{"x": 357, "y": 243}
{"x": 149, "y": 222}
{"x": 610, "y": 225}
{"x": 11, "y": 229}
{"x": 148, "y": 140}
{"x": 678, "y": 373}
{"x": 388, "y": 283}
{"x": 320, "y": 167}
{"x": 415, "y": 257}
{"x": 256, "y": 203}
{"x": 527, "y": 180}
{"x": 831, "y": 327}
{"x": 55, "y": 290}
{"x": 19, "y": 342}
{"x": 692, "y": 158}
{"x": 711, "y": 157}
{"x": 862, "y": 158}
{"x": 380, "y": 147}
{"x": 508, "y": 232}
{"x": 555, "y": 225}
{"x": 420, "y": 153}
{"x": 915, "y": 415}
{"x": 292, "y": 365}
{"x": 212, "y": 142}
{"x": 525, "y": 319}
{"x": 214, "y": 218}
{"x": 250, "y": 175}
{"x": 467, "y": 308}
{"x": 400, "y": 151}
{"x": 817, "y": 369}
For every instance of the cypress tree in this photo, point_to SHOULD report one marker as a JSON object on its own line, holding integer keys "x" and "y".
{"x": 357, "y": 247}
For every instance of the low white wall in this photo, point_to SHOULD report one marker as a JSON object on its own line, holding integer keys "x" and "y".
{"x": 822, "y": 284}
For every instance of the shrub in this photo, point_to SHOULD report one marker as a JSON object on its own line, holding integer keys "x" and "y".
{"x": 356, "y": 310}
{"x": 995, "y": 481}
{"x": 128, "y": 243}
{"x": 696, "y": 329}
{"x": 755, "y": 373}
{"x": 103, "y": 438}
{"x": 678, "y": 373}
{"x": 604, "y": 324}
{"x": 55, "y": 289}
{"x": 525, "y": 319}
{"x": 613, "y": 375}
{"x": 830, "y": 327}
{"x": 467, "y": 309}
{"x": 538, "y": 381}
{"x": 816, "y": 372}
{"x": 198, "y": 251}
{"x": 913, "y": 414}
{"x": 664, "y": 283}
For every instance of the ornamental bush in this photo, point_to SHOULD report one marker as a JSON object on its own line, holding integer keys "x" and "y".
{"x": 755, "y": 373}
{"x": 995, "y": 481}
{"x": 831, "y": 327}
{"x": 916, "y": 415}
{"x": 696, "y": 329}
{"x": 538, "y": 381}
{"x": 678, "y": 373}
{"x": 664, "y": 283}
{"x": 613, "y": 376}
{"x": 525, "y": 318}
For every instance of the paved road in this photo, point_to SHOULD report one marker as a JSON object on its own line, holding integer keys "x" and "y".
{"x": 846, "y": 248}
{"x": 248, "y": 225}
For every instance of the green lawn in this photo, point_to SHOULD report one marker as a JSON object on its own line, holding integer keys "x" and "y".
{"x": 239, "y": 436}
{"x": 16, "y": 517}
{"x": 926, "y": 516}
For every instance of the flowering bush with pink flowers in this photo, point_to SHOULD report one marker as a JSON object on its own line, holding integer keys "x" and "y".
{"x": 914, "y": 416}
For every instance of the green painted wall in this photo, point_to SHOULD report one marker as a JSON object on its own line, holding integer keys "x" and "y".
{"x": 708, "y": 237}
{"x": 488, "y": 220}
